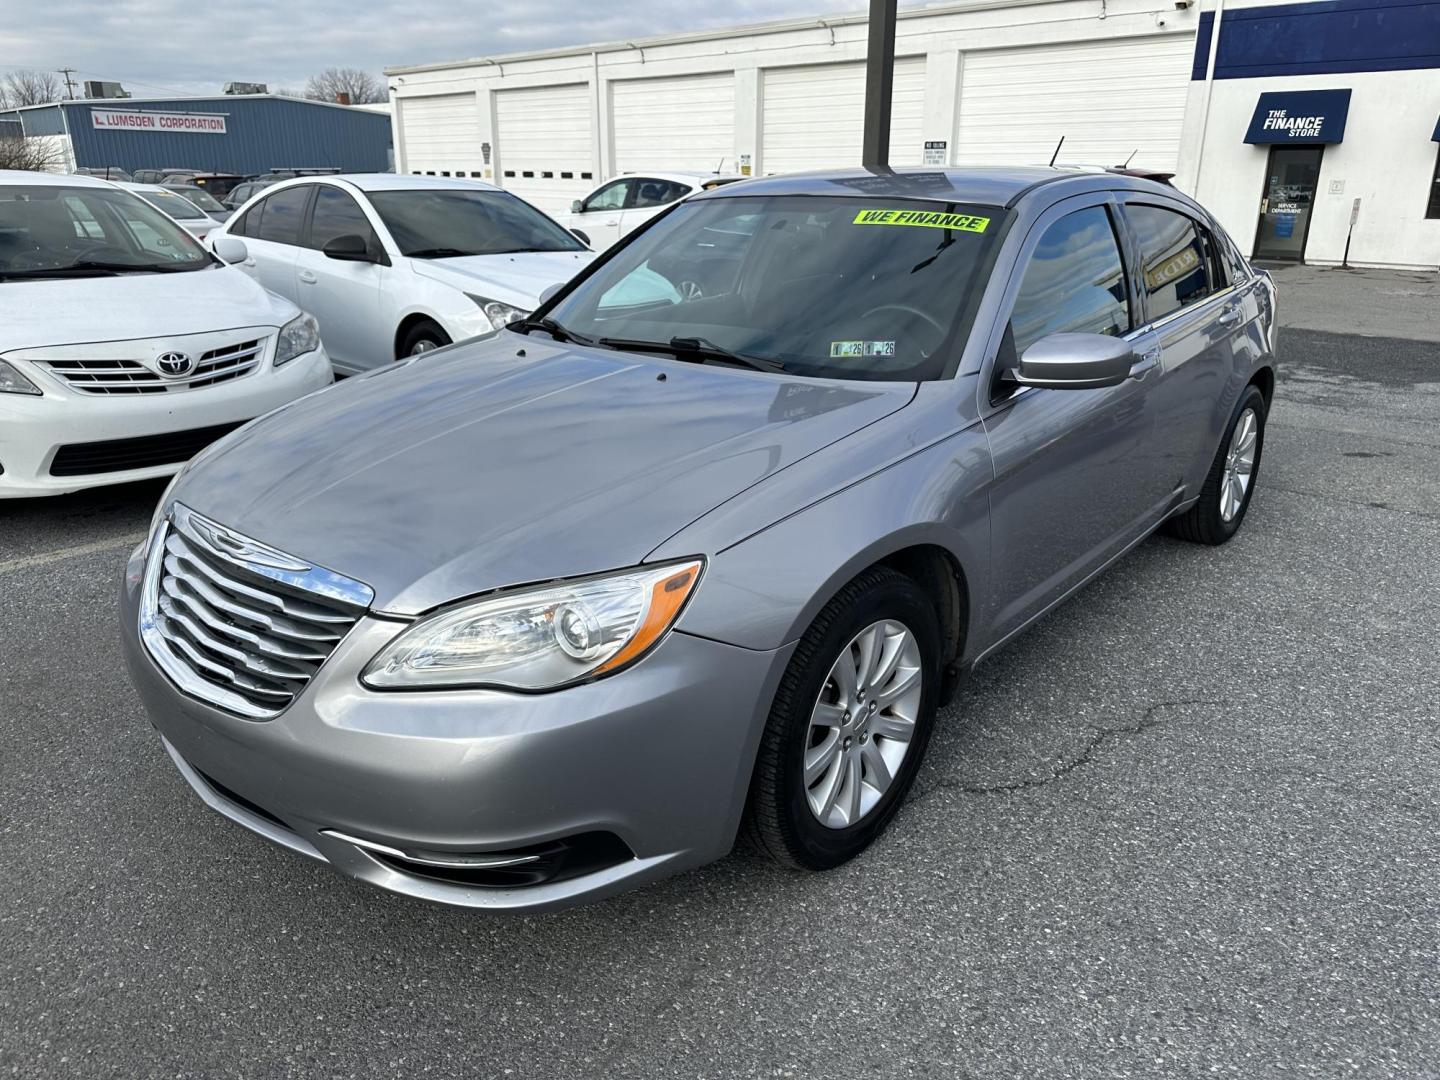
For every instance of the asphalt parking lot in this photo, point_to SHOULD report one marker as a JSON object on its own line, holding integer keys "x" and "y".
{"x": 1185, "y": 827}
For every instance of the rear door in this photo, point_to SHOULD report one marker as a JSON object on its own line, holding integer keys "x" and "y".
{"x": 345, "y": 297}
{"x": 1075, "y": 482}
{"x": 1197, "y": 319}
{"x": 271, "y": 231}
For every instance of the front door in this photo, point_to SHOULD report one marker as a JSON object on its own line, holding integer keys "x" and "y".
{"x": 1286, "y": 202}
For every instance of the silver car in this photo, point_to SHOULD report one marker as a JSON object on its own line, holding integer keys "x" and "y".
{"x": 546, "y": 615}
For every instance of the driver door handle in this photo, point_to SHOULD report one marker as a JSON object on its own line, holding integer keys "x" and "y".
{"x": 307, "y": 277}
{"x": 1229, "y": 317}
{"x": 1148, "y": 359}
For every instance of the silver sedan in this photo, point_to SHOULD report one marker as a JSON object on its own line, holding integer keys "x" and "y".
{"x": 701, "y": 546}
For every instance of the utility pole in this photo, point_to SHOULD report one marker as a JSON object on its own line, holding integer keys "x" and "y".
{"x": 879, "y": 79}
{"x": 69, "y": 83}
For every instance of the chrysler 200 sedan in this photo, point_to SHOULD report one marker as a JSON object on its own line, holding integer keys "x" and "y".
{"x": 553, "y": 613}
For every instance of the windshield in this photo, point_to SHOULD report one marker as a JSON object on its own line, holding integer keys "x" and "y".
{"x": 45, "y": 230}
{"x": 176, "y": 206}
{"x": 201, "y": 198}
{"x": 442, "y": 224}
{"x": 835, "y": 287}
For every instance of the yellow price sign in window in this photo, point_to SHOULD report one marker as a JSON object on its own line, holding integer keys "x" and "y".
{"x": 925, "y": 219}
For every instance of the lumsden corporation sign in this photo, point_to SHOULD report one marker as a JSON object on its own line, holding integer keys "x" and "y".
{"x": 136, "y": 120}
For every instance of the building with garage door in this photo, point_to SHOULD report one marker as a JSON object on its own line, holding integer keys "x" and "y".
{"x": 976, "y": 83}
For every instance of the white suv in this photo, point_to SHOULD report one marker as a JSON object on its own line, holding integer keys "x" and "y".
{"x": 618, "y": 207}
{"x": 127, "y": 348}
{"x": 396, "y": 265}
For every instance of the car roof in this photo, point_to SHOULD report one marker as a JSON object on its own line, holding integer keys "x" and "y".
{"x": 684, "y": 176}
{"x": 39, "y": 179}
{"x": 986, "y": 186}
{"x": 392, "y": 182}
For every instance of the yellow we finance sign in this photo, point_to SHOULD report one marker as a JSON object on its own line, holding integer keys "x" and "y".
{"x": 925, "y": 219}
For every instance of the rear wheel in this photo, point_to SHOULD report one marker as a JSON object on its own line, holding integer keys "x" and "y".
{"x": 849, "y": 724}
{"x": 421, "y": 338}
{"x": 1225, "y": 495}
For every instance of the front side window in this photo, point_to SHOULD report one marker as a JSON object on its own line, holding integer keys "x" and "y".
{"x": 280, "y": 223}
{"x": 443, "y": 224}
{"x": 47, "y": 231}
{"x": 1172, "y": 258}
{"x": 1074, "y": 282}
{"x": 834, "y": 287}
{"x": 336, "y": 214}
{"x": 610, "y": 197}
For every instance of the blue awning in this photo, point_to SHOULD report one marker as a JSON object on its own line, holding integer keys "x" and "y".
{"x": 1300, "y": 116}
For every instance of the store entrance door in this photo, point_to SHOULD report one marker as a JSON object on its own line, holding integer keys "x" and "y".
{"x": 1286, "y": 202}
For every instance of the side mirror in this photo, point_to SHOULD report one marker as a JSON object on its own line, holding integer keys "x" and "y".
{"x": 1075, "y": 362}
{"x": 229, "y": 250}
{"x": 581, "y": 236}
{"x": 549, "y": 291}
{"x": 350, "y": 247}
{"x": 576, "y": 206}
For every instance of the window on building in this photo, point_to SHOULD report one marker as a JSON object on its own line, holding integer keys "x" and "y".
{"x": 283, "y": 211}
{"x": 337, "y": 214}
{"x": 1074, "y": 282}
{"x": 1172, "y": 259}
{"x": 1433, "y": 209}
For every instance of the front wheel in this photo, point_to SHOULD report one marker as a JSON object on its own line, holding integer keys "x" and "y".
{"x": 1230, "y": 483}
{"x": 849, "y": 724}
{"x": 421, "y": 338}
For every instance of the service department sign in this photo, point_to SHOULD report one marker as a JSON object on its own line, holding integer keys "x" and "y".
{"x": 137, "y": 120}
{"x": 1300, "y": 116}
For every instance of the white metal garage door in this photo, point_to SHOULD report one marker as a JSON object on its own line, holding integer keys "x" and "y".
{"x": 441, "y": 133}
{"x": 684, "y": 123}
{"x": 543, "y": 141}
{"x": 814, "y": 117}
{"x": 1108, "y": 98}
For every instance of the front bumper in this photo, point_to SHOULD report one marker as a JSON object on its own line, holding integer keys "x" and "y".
{"x": 659, "y": 756}
{"x": 33, "y": 429}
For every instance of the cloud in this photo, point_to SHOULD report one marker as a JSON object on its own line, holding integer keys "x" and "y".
{"x": 163, "y": 46}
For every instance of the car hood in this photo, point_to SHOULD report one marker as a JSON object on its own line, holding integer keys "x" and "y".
{"x": 517, "y": 279}
{"x": 74, "y": 311}
{"x": 479, "y": 467}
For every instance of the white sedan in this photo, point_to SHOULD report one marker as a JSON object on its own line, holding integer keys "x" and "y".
{"x": 394, "y": 265}
{"x": 127, "y": 348}
{"x": 186, "y": 214}
{"x": 620, "y": 206}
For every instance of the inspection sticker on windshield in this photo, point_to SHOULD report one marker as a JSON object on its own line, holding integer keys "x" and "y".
{"x": 862, "y": 348}
{"x": 927, "y": 219}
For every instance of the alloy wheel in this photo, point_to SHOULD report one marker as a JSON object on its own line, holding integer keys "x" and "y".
{"x": 862, "y": 724}
{"x": 1239, "y": 465}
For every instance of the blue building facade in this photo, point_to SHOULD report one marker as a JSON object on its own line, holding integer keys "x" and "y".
{"x": 235, "y": 134}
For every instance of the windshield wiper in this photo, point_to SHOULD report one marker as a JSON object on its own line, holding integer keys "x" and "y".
{"x": 438, "y": 253}
{"x": 698, "y": 348}
{"x": 551, "y": 327}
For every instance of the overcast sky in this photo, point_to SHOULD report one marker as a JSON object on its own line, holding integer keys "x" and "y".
{"x": 159, "y": 46}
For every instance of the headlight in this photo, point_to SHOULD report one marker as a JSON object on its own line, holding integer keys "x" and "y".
{"x": 500, "y": 315}
{"x": 299, "y": 336}
{"x": 539, "y": 638}
{"x": 12, "y": 382}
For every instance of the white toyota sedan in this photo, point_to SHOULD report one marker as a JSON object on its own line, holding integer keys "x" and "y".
{"x": 125, "y": 347}
{"x": 618, "y": 207}
{"x": 397, "y": 265}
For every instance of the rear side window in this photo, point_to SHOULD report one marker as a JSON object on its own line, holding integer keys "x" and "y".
{"x": 336, "y": 214}
{"x": 1172, "y": 259}
{"x": 280, "y": 223}
{"x": 658, "y": 192}
{"x": 1074, "y": 283}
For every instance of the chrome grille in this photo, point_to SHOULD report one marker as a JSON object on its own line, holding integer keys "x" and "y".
{"x": 132, "y": 377}
{"x": 236, "y": 623}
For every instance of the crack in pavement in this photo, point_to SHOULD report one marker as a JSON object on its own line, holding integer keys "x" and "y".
{"x": 1424, "y": 515}
{"x": 1099, "y": 737}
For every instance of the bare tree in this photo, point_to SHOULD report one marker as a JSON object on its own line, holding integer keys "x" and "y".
{"x": 358, "y": 86}
{"x": 23, "y": 87}
{"x": 31, "y": 155}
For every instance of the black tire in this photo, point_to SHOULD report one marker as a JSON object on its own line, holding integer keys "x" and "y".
{"x": 1203, "y": 523}
{"x": 422, "y": 333}
{"x": 778, "y": 818}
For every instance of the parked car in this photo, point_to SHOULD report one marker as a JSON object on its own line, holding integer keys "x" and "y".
{"x": 240, "y": 194}
{"x": 202, "y": 200}
{"x": 153, "y": 176}
{"x": 127, "y": 347}
{"x": 217, "y": 184}
{"x": 187, "y": 215}
{"x": 108, "y": 172}
{"x": 396, "y": 265}
{"x": 620, "y": 206}
{"x": 553, "y": 614}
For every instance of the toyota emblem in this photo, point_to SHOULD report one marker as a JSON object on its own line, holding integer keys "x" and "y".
{"x": 174, "y": 364}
